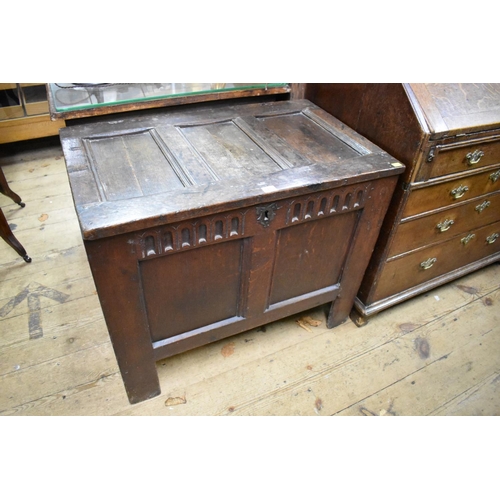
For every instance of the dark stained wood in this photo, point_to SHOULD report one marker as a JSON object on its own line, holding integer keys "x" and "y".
{"x": 9, "y": 238}
{"x": 212, "y": 175}
{"x": 5, "y": 190}
{"x": 116, "y": 278}
{"x": 398, "y": 129}
{"x": 448, "y": 135}
{"x": 200, "y": 223}
{"x": 5, "y": 231}
{"x": 210, "y": 276}
{"x": 362, "y": 246}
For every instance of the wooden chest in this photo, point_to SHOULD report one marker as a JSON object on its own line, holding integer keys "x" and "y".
{"x": 202, "y": 222}
{"x": 444, "y": 219}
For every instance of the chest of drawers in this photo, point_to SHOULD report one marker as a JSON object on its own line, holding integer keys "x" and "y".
{"x": 444, "y": 218}
{"x": 206, "y": 221}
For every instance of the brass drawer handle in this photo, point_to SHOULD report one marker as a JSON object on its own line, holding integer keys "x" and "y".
{"x": 484, "y": 204}
{"x": 495, "y": 176}
{"x": 475, "y": 157}
{"x": 467, "y": 238}
{"x": 492, "y": 238}
{"x": 427, "y": 264}
{"x": 445, "y": 225}
{"x": 459, "y": 191}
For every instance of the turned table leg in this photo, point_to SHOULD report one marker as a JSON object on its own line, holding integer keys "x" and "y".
{"x": 9, "y": 237}
{"x": 5, "y": 189}
{"x": 5, "y": 231}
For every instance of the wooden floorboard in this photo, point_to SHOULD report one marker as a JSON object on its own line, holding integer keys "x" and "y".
{"x": 437, "y": 354}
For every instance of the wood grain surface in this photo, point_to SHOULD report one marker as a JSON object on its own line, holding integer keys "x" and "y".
{"x": 436, "y": 354}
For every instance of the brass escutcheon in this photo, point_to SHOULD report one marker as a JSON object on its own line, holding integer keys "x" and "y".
{"x": 467, "y": 238}
{"x": 495, "y": 176}
{"x": 445, "y": 225}
{"x": 459, "y": 191}
{"x": 475, "y": 157}
{"x": 426, "y": 264}
{"x": 492, "y": 238}
{"x": 484, "y": 204}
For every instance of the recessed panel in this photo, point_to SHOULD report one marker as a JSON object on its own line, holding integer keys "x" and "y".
{"x": 228, "y": 151}
{"x": 310, "y": 256}
{"x": 192, "y": 289}
{"x": 131, "y": 165}
{"x": 308, "y": 138}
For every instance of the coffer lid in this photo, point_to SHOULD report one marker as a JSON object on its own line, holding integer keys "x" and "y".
{"x": 139, "y": 171}
{"x": 453, "y": 108}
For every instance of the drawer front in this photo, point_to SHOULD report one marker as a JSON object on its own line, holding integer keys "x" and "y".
{"x": 451, "y": 192}
{"x": 457, "y": 158}
{"x": 423, "y": 265}
{"x": 443, "y": 225}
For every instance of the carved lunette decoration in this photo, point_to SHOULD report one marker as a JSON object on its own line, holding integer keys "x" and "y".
{"x": 190, "y": 234}
{"x": 326, "y": 203}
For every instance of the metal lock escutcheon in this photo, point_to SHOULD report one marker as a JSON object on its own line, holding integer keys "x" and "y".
{"x": 266, "y": 214}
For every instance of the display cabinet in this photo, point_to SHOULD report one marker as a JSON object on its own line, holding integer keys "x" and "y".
{"x": 24, "y": 112}
{"x": 83, "y": 100}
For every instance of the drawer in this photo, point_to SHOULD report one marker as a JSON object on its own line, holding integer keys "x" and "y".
{"x": 9, "y": 112}
{"x": 449, "y": 159}
{"x": 447, "y": 193}
{"x": 37, "y": 108}
{"x": 443, "y": 225}
{"x": 418, "y": 267}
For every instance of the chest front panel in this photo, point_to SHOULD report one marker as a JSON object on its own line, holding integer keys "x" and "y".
{"x": 205, "y": 272}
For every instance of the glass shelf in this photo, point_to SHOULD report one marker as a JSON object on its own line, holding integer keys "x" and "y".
{"x": 75, "y": 98}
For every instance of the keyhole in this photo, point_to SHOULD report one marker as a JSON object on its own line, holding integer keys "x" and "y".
{"x": 266, "y": 214}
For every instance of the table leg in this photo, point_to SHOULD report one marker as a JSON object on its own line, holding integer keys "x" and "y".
{"x": 9, "y": 237}
{"x": 5, "y": 189}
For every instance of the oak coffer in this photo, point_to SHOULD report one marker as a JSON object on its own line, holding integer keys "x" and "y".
{"x": 444, "y": 218}
{"x": 201, "y": 222}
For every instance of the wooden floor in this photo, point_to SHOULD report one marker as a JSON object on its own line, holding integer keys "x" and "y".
{"x": 437, "y": 354}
